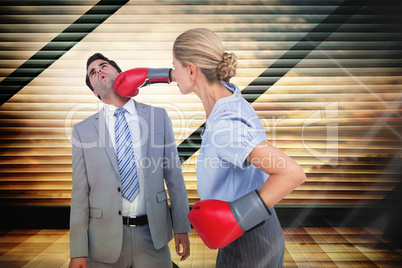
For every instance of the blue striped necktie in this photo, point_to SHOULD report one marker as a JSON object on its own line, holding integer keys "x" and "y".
{"x": 125, "y": 157}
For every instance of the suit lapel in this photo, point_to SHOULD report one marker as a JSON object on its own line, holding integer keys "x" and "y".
{"x": 104, "y": 138}
{"x": 144, "y": 121}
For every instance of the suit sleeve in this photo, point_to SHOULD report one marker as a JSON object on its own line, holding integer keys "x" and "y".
{"x": 175, "y": 182}
{"x": 79, "y": 216}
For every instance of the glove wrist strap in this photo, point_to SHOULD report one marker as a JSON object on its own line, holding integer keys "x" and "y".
{"x": 249, "y": 210}
{"x": 159, "y": 75}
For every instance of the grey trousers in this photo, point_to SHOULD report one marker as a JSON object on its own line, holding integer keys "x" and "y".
{"x": 261, "y": 247}
{"x": 138, "y": 251}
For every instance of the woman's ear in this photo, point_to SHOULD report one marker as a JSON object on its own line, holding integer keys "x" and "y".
{"x": 192, "y": 70}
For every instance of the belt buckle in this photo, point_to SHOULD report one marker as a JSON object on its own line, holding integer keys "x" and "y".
{"x": 128, "y": 221}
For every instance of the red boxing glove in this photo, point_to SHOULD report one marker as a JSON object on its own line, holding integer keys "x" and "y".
{"x": 214, "y": 222}
{"x": 219, "y": 223}
{"x": 128, "y": 83}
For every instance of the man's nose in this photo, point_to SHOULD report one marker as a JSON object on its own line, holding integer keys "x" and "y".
{"x": 99, "y": 71}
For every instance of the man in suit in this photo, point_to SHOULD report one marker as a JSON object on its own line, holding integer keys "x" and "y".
{"x": 108, "y": 229}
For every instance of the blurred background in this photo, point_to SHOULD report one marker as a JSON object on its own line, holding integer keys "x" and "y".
{"x": 324, "y": 76}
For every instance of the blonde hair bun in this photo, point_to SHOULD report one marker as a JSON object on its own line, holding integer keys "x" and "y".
{"x": 204, "y": 48}
{"x": 227, "y": 68}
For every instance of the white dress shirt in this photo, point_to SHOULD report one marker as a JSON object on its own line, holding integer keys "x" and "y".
{"x": 138, "y": 206}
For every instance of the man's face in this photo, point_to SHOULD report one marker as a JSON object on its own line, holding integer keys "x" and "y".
{"x": 102, "y": 75}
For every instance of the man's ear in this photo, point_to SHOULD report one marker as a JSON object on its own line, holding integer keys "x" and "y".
{"x": 97, "y": 95}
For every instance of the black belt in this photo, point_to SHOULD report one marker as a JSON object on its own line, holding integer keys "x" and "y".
{"x": 135, "y": 221}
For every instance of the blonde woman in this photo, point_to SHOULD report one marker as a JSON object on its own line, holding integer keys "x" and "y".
{"x": 240, "y": 176}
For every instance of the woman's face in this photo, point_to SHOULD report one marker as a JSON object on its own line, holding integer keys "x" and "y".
{"x": 182, "y": 76}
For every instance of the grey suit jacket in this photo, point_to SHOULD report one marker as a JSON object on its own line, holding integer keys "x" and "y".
{"x": 96, "y": 227}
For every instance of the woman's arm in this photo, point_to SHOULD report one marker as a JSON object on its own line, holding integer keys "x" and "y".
{"x": 284, "y": 173}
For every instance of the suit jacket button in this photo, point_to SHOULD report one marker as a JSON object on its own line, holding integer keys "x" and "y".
{"x": 119, "y": 190}
{"x": 119, "y": 212}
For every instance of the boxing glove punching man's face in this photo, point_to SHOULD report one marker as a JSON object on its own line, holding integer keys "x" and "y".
{"x": 102, "y": 76}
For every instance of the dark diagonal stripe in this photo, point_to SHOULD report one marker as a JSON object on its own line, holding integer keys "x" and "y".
{"x": 56, "y": 48}
{"x": 283, "y": 65}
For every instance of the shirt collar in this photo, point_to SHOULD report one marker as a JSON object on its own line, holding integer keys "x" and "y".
{"x": 231, "y": 87}
{"x": 220, "y": 103}
{"x": 129, "y": 107}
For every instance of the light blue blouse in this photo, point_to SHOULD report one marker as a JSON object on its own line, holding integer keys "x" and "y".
{"x": 232, "y": 131}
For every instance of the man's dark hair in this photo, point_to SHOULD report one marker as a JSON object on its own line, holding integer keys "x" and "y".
{"x": 99, "y": 56}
